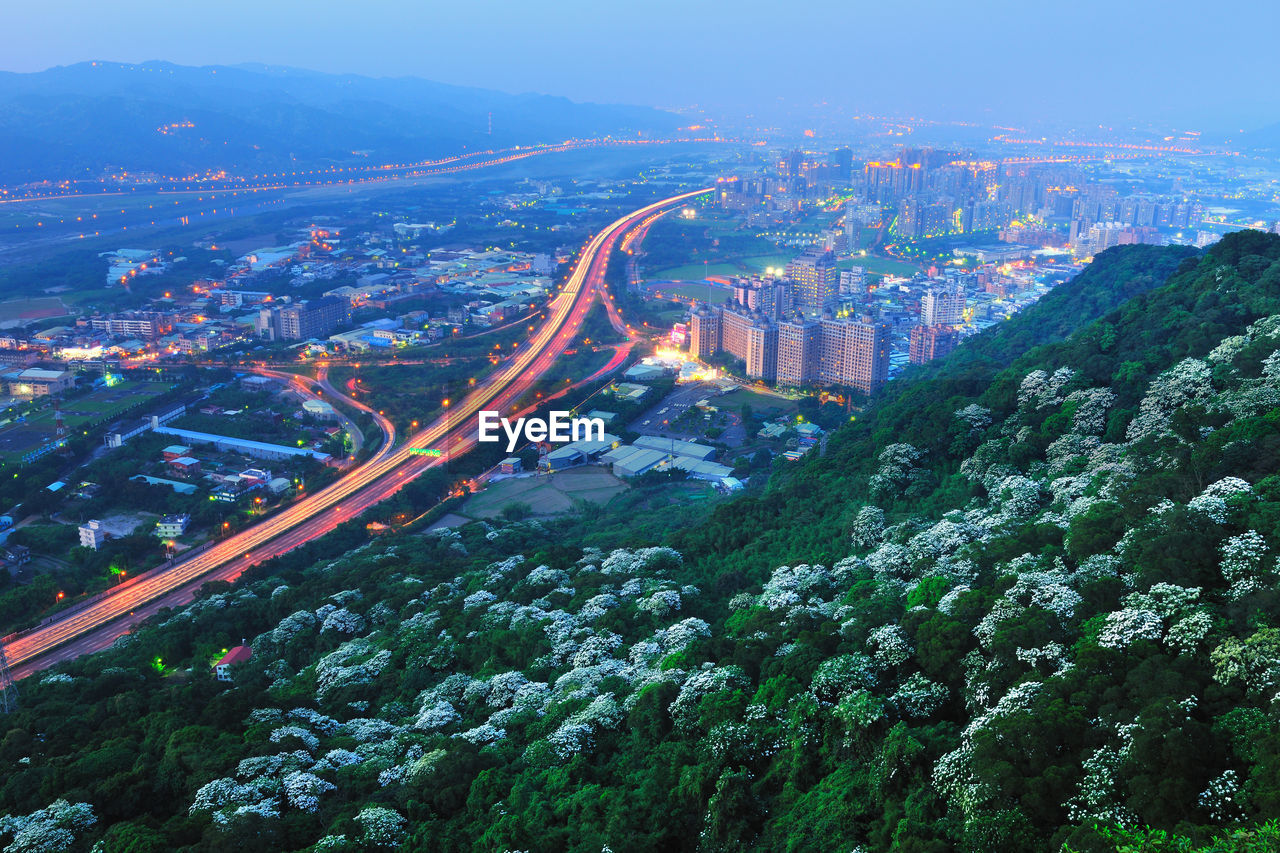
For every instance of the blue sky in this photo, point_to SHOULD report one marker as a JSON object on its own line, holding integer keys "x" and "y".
{"x": 1188, "y": 64}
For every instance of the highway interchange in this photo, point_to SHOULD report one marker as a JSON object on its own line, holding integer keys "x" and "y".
{"x": 98, "y": 622}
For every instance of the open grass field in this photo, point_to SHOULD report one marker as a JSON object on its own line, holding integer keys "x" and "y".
{"x": 755, "y": 264}
{"x": 882, "y": 266}
{"x": 98, "y": 406}
{"x": 764, "y": 405}
{"x": 35, "y": 308}
{"x": 702, "y": 292}
{"x": 760, "y": 263}
{"x": 695, "y": 272}
{"x": 546, "y": 495}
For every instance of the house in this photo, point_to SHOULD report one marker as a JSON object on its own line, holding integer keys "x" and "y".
{"x": 222, "y": 669}
{"x": 174, "y": 451}
{"x": 253, "y": 478}
{"x": 511, "y": 465}
{"x": 172, "y": 526}
{"x": 185, "y": 466}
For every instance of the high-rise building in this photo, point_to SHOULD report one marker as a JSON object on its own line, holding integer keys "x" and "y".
{"x": 942, "y": 306}
{"x": 300, "y": 322}
{"x": 930, "y": 342}
{"x": 767, "y": 295}
{"x": 792, "y": 164}
{"x": 801, "y": 351}
{"x": 762, "y": 350}
{"x": 854, "y": 353}
{"x": 751, "y": 337}
{"x": 704, "y": 331}
{"x": 853, "y": 281}
{"x": 799, "y": 342}
{"x": 815, "y": 281}
{"x": 842, "y": 159}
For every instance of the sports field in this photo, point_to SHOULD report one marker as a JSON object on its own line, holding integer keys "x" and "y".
{"x": 13, "y": 311}
{"x": 98, "y": 406}
{"x": 690, "y": 290}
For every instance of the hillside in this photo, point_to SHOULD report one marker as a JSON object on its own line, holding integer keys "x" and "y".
{"x": 1031, "y": 606}
{"x": 80, "y": 120}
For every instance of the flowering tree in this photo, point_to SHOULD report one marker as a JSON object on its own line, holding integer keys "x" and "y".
{"x": 52, "y": 828}
{"x": 381, "y": 827}
{"x": 898, "y": 471}
{"x": 868, "y": 527}
{"x": 1243, "y": 563}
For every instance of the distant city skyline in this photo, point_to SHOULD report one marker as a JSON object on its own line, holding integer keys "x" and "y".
{"x": 1176, "y": 63}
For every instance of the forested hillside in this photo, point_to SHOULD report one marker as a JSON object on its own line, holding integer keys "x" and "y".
{"x": 1026, "y": 602}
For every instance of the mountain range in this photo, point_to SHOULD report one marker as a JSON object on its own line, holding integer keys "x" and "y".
{"x": 82, "y": 120}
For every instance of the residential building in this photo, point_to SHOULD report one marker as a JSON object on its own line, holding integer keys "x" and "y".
{"x": 942, "y": 306}
{"x": 172, "y": 526}
{"x": 799, "y": 342}
{"x": 930, "y": 342}
{"x": 222, "y": 669}
{"x": 854, "y": 353}
{"x": 704, "y": 331}
{"x": 799, "y": 351}
{"x": 92, "y": 534}
{"x": 815, "y": 281}
{"x": 300, "y": 322}
{"x": 134, "y": 324}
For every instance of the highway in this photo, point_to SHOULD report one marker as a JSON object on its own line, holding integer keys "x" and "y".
{"x": 99, "y": 622}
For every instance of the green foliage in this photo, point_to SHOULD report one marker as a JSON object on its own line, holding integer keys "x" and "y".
{"x": 1058, "y": 629}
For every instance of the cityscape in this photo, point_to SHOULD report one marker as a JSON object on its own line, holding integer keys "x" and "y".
{"x": 391, "y": 464}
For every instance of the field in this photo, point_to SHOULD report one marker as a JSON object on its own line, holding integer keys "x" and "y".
{"x": 15, "y": 311}
{"x": 763, "y": 405}
{"x": 695, "y": 272}
{"x": 98, "y": 406}
{"x": 883, "y": 266}
{"x": 759, "y": 263}
{"x": 546, "y": 495}
{"x": 703, "y": 292}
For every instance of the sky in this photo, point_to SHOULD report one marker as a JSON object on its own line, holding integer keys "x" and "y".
{"x": 1176, "y": 63}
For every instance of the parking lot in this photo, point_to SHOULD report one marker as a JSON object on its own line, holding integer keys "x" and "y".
{"x": 670, "y": 418}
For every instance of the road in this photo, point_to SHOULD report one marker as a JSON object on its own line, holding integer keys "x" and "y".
{"x": 301, "y": 385}
{"x": 99, "y": 622}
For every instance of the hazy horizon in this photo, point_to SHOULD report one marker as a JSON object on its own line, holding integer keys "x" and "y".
{"x": 1166, "y": 63}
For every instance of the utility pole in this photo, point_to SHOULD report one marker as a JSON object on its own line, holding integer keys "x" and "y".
{"x": 8, "y": 689}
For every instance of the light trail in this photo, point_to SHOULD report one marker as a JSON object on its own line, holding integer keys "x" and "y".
{"x": 97, "y": 622}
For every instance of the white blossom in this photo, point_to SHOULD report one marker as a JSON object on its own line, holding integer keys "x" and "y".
{"x": 1219, "y": 799}
{"x": 841, "y": 675}
{"x": 303, "y": 790}
{"x": 1242, "y": 565}
{"x": 1125, "y": 626}
{"x": 917, "y": 696}
{"x": 1186, "y": 382}
{"x": 381, "y": 827}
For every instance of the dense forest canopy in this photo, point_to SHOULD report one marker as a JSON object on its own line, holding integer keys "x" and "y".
{"x": 1026, "y": 602}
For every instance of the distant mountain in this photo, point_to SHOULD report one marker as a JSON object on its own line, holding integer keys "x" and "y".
{"x": 1267, "y": 138}
{"x": 77, "y": 121}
